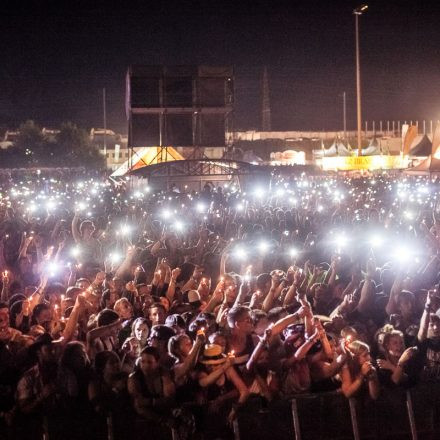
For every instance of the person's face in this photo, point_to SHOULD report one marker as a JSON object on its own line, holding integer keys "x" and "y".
{"x": 144, "y": 290}
{"x": 395, "y": 346}
{"x": 230, "y": 293}
{"x": 405, "y": 308}
{"x": 185, "y": 346}
{"x": 219, "y": 340}
{"x": 83, "y": 284}
{"x": 88, "y": 231}
{"x": 157, "y": 316}
{"x": 261, "y": 326}
{"x": 45, "y": 317}
{"x": 118, "y": 284}
{"x": 434, "y": 327}
{"x": 125, "y": 310}
{"x": 46, "y": 354}
{"x": 81, "y": 360}
{"x": 363, "y": 357}
{"x": 244, "y": 324}
{"x": 141, "y": 331}
{"x": 148, "y": 364}
{"x": 4, "y": 318}
{"x": 112, "y": 366}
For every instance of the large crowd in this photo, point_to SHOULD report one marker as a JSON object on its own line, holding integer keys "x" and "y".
{"x": 133, "y": 310}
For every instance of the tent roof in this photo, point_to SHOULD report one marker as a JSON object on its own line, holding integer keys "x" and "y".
{"x": 337, "y": 148}
{"x": 421, "y": 146}
{"x": 371, "y": 150}
{"x": 428, "y": 166}
{"x": 147, "y": 156}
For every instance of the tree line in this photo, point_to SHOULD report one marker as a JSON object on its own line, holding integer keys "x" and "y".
{"x": 70, "y": 147}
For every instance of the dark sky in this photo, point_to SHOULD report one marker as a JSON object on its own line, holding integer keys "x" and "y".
{"x": 56, "y": 56}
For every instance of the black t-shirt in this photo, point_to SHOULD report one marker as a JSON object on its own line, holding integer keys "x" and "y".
{"x": 430, "y": 358}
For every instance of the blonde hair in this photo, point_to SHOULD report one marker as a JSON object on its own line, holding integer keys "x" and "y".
{"x": 358, "y": 347}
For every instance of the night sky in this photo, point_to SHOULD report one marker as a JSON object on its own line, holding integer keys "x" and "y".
{"x": 56, "y": 56}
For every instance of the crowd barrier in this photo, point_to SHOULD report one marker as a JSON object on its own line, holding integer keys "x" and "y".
{"x": 396, "y": 414}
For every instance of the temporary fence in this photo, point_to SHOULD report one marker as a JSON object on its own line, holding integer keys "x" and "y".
{"x": 396, "y": 414}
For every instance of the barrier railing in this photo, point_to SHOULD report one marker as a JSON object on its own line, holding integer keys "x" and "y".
{"x": 397, "y": 413}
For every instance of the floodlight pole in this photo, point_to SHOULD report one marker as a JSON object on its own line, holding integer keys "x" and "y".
{"x": 357, "y": 12}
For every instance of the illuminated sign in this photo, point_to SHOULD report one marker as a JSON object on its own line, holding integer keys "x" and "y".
{"x": 364, "y": 163}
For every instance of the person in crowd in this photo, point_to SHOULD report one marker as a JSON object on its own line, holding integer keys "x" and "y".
{"x": 104, "y": 324}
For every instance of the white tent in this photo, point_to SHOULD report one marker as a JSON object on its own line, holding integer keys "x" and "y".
{"x": 147, "y": 156}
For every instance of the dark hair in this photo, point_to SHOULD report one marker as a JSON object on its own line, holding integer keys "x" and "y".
{"x": 157, "y": 305}
{"x": 152, "y": 351}
{"x": 106, "y": 317}
{"x": 262, "y": 280}
{"x": 173, "y": 344}
{"x": 3, "y": 305}
{"x": 257, "y": 315}
{"x": 162, "y": 332}
{"x": 38, "y": 309}
{"x": 236, "y": 313}
{"x": 69, "y": 354}
{"x": 101, "y": 360}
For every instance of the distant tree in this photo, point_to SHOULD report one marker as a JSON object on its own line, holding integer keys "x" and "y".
{"x": 73, "y": 148}
{"x": 31, "y": 146}
{"x": 70, "y": 148}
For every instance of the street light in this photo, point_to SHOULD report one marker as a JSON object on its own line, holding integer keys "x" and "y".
{"x": 357, "y": 12}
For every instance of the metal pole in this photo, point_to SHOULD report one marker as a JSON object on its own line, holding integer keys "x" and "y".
{"x": 236, "y": 429}
{"x": 380, "y": 127}
{"x": 110, "y": 434}
{"x": 295, "y": 417}
{"x": 388, "y": 128}
{"x": 424, "y": 126}
{"x": 412, "y": 420}
{"x": 358, "y": 87}
{"x": 344, "y": 111}
{"x": 105, "y": 119}
{"x": 353, "y": 415}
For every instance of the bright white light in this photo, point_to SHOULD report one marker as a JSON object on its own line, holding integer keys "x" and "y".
{"x": 53, "y": 268}
{"x": 341, "y": 240}
{"x": 178, "y": 226}
{"x": 115, "y": 258}
{"x": 32, "y": 208}
{"x": 423, "y": 190}
{"x": 320, "y": 208}
{"x": 166, "y": 214}
{"x": 293, "y": 201}
{"x": 376, "y": 241}
{"x": 259, "y": 192}
{"x": 402, "y": 254}
{"x": 75, "y": 251}
{"x": 263, "y": 247}
{"x": 125, "y": 229}
{"x": 293, "y": 252}
{"x": 239, "y": 207}
{"x": 280, "y": 192}
{"x": 408, "y": 215}
{"x": 200, "y": 207}
{"x": 240, "y": 253}
{"x": 81, "y": 206}
{"x": 138, "y": 195}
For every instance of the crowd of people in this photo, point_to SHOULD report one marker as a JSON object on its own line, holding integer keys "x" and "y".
{"x": 136, "y": 310}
